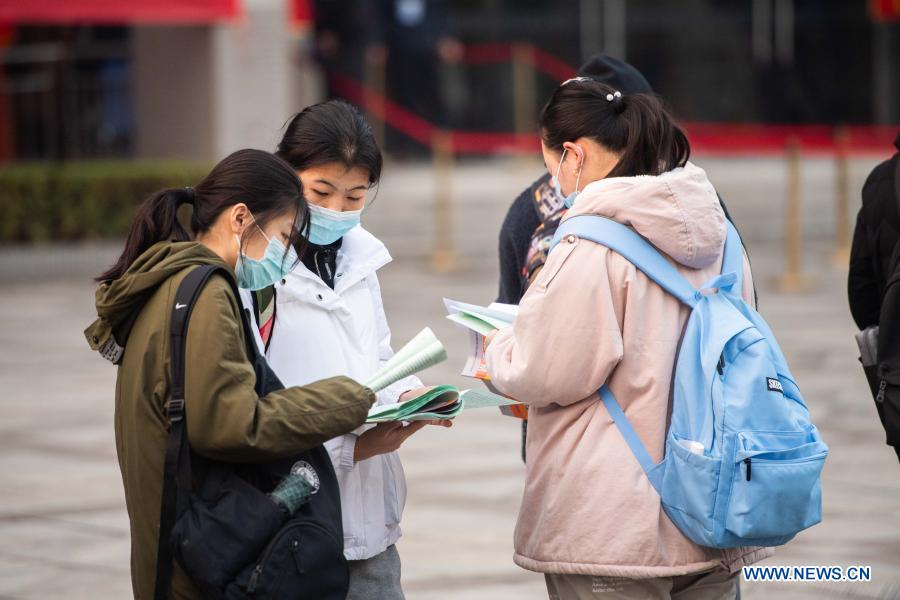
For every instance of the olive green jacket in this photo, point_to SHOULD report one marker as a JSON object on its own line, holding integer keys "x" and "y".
{"x": 226, "y": 419}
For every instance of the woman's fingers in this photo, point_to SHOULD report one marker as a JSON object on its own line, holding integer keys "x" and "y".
{"x": 413, "y": 427}
{"x": 388, "y": 426}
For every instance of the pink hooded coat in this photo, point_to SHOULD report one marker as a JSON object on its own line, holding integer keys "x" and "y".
{"x": 591, "y": 317}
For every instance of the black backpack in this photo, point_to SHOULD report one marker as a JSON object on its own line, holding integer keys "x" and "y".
{"x": 886, "y": 384}
{"x": 217, "y": 519}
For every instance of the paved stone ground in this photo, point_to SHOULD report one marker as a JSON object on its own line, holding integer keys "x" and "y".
{"x": 63, "y": 530}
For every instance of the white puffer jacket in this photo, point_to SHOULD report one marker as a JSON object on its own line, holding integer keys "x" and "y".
{"x": 319, "y": 333}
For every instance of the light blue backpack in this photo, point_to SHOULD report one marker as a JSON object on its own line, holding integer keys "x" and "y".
{"x": 742, "y": 459}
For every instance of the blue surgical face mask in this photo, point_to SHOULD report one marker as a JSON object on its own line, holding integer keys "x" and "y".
{"x": 256, "y": 274}
{"x": 554, "y": 181}
{"x": 327, "y": 226}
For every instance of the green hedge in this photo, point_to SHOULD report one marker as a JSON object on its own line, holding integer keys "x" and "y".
{"x": 82, "y": 200}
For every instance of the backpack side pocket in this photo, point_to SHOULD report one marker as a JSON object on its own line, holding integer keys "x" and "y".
{"x": 775, "y": 488}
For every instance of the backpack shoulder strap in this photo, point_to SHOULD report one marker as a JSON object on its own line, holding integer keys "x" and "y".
{"x": 733, "y": 259}
{"x": 633, "y": 247}
{"x": 651, "y": 469}
{"x": 654, "y": 265}
{"x": 177, "y": 465}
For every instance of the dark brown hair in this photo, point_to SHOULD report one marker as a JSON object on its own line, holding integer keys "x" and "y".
{"x": 265, "y": 183}
{"x": 636, "y": 125}
{"x": 331, "y": 132}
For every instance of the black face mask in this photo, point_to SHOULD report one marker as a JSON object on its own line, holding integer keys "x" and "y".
{"x": 322, "y": 260}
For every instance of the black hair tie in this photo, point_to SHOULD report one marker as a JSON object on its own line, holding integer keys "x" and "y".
{"x": 615, "y": 98}
{"x": 190, "y": 195}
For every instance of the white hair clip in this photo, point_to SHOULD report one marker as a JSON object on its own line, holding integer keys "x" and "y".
{"x": 579, "y": 79}
{"x": 614, "y": 96}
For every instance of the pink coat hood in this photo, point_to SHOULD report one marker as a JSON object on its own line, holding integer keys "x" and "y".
{"x": 678, "y": 212}
{"x": 590, "y": 318}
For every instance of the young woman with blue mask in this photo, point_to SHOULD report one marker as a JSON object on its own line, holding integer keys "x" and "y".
{"x": 326, "y": 318}
{"x": 246, "y": 216}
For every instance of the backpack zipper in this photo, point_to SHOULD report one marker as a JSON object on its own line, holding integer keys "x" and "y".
{"x": 748, "y": 462}
{"x": 882, "y": 385}
{"x": 257, "y": 571}
{"x": 254, "y": 579}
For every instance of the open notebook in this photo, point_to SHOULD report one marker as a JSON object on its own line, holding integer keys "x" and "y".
{"x": 442, "y": 402}
{"x": 420, "y": 353}
{"x": 479, "y": 321}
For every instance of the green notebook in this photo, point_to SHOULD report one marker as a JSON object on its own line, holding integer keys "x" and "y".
{"x": 442, "y": 402}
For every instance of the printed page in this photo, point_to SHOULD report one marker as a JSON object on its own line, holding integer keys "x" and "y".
{"x": 422, "y": 352}
{"x": 476, "y": 366}
{"x": 497, "y": 315}
{"x": 473, "y": 323}
{"x": 483, "y": 399}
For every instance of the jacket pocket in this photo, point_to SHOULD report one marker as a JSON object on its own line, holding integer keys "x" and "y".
{"x": 775, "y": 489}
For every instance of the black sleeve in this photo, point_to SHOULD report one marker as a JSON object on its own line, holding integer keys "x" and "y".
{"x": 515, "y": 236}
{"x": 863, "y": 290}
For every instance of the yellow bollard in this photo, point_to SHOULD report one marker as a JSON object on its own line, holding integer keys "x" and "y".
{"x": 841, "y": 256}
{"x": 524, "y": 92}
{"x": 376, "y": 86}
{"x": 443, "y": 258}
{"x": 793, "y": 280}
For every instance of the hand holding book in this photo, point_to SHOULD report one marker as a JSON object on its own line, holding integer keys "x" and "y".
{"x": 483, "y": 323}
{"x": 439, "y": 403}
{"x": 387, "y": 437}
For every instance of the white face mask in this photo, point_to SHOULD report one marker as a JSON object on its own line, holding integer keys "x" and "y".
{"x": 554, "y": 181}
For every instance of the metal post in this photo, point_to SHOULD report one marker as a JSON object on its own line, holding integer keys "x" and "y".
{"x": 444, "y": 257}
{"x": 841, "y": 255}
{"x": 376, "y": 87}
{"x": 524, "y": 90}
{"x": 615, "y": 28}
{"x": 761, "y": 31}
{"x": 591, "y": 19}
{"x": 793, "y": 280}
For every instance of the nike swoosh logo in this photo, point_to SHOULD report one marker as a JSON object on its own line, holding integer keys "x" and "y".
{"x": 179, "y": 306}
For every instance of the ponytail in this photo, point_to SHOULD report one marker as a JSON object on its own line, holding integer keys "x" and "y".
{"x": 156, "y": 220}
{"x": 265, "y": 183}
{"x": 636, "y": 126}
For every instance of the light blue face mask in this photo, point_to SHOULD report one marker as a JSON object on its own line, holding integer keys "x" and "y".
{"x": 327, "y": 226}
{"x": 554, "y": 181}
{"x": 253, "y": 274}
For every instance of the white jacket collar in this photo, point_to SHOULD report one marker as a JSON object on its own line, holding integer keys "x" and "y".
{"x": 361, "y": 254}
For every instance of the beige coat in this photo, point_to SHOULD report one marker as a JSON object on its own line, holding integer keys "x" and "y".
{"x": 592, "y": 317}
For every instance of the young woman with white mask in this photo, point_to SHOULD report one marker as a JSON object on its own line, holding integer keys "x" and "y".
{"x": 326, "y": 318}
{"x": 590, "y": 519}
